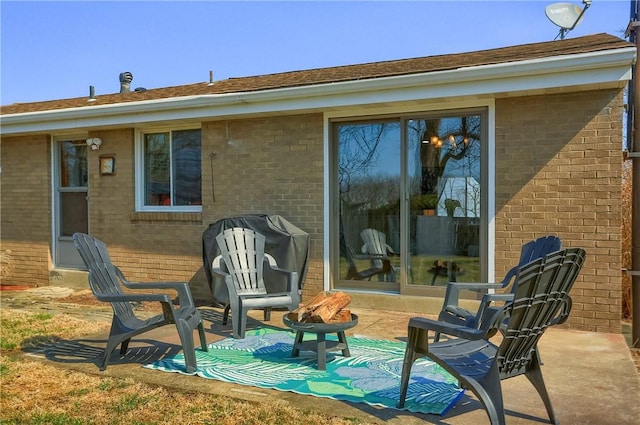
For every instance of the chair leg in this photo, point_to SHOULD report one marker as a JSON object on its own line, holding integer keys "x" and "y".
{"x": 185, "y": 332}
{"x": 241, "y": 323}
{"x": 489, "y": 392}
{"x": 409, "y": 358}
{"x": 534, "y": 374}
{"x": 203, "y": 340}
{"x": 112, "y": 344}
{"x": 124, "y": 346}
{"x": 225, "y": 316}
{"x": 267, "y": 314}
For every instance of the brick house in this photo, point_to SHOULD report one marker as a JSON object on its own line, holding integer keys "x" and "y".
{"x": 505, "y": 145}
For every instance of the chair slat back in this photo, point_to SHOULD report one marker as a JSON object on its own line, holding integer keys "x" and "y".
{"x": 242, "y": 251}
{"x": 541, "y": 300}
{"x": 375, "y": 242}
{"x": 103, "y": 274}
{"x": 531, "y": 251}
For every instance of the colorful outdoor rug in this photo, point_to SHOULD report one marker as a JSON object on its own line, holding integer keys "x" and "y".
{"x": 371, "y": 375}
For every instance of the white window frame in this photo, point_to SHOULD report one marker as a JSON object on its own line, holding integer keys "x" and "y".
{"x": 140, "y": 171}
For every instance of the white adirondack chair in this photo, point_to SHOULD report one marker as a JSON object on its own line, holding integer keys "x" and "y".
{"x": 241, "y": 264}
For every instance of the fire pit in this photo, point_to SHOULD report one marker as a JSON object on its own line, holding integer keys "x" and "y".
{"x": 320, "y": 345}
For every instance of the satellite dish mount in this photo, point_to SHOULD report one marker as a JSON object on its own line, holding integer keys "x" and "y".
{"x": 566, "y": 15}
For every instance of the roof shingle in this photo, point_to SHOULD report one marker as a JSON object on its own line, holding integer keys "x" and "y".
{"x": 586, "y": 44}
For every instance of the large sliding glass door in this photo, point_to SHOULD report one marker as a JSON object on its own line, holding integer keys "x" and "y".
{"x": 408, "y": 201}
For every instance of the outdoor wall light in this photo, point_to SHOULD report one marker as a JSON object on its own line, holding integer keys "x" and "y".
{"x": 94, "y": 142}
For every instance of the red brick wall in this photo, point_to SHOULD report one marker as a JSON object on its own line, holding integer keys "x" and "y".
{"x": 559, "y": 168}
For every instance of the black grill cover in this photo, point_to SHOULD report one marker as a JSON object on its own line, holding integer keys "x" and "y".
{"x": 285, "y": 242}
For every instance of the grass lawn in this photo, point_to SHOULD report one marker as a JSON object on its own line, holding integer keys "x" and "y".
{"x": 38, "y": 393}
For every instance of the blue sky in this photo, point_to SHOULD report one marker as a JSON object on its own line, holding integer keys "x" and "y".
{"x": 55, "y": 50}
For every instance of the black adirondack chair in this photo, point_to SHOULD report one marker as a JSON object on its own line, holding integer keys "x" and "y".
{"x": 107, "y": 281}
{"x": 541, "y": 300}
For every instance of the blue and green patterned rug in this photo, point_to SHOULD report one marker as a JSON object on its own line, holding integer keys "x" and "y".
{"x": 371, "y": 375}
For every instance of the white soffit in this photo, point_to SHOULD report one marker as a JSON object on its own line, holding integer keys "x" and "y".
{"x": 588, "y": 69}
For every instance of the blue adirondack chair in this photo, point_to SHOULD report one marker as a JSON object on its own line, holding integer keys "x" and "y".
{"x": 452, "y": 312}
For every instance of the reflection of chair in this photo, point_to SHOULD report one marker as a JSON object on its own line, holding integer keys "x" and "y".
{"x": 541, "y": 300}
{"x": 243, "y": 257}
{"x": 103, "y": 280}
{"x": 375, "y": 244}
{"x": 452, "y": 313}
{"x": 354, "y": 274}
{"x": 450, "y": 269}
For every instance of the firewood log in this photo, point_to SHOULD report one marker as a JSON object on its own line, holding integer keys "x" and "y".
{"x": 342, "y": 316}
{"x": 331, "y": 306}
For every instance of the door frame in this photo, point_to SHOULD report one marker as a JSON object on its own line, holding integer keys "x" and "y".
{"x": 487, "y": 228}
{"x": 63, "y": 245}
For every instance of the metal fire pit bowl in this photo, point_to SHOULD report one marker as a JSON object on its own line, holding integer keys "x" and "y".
{"x": 320, "y": 327}
{"x": 320, "y": 345}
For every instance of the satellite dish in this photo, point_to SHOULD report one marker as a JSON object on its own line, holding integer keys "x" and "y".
{"x": 566, "y": 15}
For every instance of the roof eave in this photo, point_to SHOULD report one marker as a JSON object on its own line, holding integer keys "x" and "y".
{"x": 593, "y": 68}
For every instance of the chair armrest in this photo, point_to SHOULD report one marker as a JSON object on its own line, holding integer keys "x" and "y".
{"x": 446, "y": 328}
{"x": 485, "y": 305}
{"x": 489, "y": 298}
{"x": 371, "y": 257}
{"x": 216, "y": 267}
{"x": 475, "y": 286}
{"x": 163, "y": 298}
{"x": 292, "y": 277}
{"x": 452, "y": 294}
{"x": 182, "y": 288}
{"x": 563, "y": 315}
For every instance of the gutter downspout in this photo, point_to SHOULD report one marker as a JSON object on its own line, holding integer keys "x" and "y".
{"x": 633, "y": 134}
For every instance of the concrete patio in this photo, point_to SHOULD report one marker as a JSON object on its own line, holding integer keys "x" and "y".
{"x": 591, "y": 377}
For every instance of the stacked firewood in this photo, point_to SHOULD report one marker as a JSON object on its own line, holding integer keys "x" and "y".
{"x": 324, "y": 308}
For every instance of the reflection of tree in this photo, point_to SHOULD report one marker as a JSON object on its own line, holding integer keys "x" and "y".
{"x": 178, "y": 152}
{"x": 445, "y": 140}
{"x": 186, "y": 159}
{"x": 358, "y": 146}
{"x": 473, "y": 210}
{"x": 157, "y": 157}
{"x": 372, "y": 192}
{"x": 73, "y": 164}
{"x": 440, "y": 145}
{"x": 465, "y": 191}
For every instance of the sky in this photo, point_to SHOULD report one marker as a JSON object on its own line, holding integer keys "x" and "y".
{"x": 56, "y": 50}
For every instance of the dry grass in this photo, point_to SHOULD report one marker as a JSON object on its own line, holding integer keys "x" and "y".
{"x": 38, "y": 393}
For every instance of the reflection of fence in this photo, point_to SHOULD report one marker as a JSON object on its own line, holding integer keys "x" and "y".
{"x": 434, "y": 235}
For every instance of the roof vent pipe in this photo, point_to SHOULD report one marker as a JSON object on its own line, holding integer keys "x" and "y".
{"x": 92, "y": 94}
{"x": 210, "y": 78}
{"x": 125, "y": 82}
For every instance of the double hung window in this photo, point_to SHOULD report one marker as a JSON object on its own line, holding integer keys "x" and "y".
{"x": 169, "y": 173}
